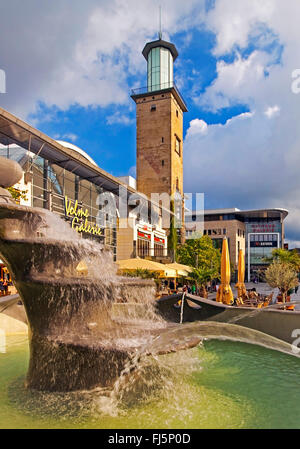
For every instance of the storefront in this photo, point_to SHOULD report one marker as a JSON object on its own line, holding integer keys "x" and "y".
{"x": 262, "y": 237}
{"x": 64, "y": 179}
{"x": 149, "y": 241}
{"x": 47, "y": 185}
{"x": 256, "y": 232}
{"x": 4, "y": 274}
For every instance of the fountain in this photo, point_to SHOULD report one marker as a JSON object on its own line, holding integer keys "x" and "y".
{"x": 75, "y": 341}
{"x": 88, "y": 327}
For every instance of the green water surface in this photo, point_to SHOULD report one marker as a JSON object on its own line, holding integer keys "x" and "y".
{"x": 218, "y": 385}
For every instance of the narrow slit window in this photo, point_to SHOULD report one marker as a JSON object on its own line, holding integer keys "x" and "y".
{"x": 177, "y": 146}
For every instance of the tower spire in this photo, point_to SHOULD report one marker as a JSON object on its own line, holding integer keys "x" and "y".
{"x": 159, "y": 32}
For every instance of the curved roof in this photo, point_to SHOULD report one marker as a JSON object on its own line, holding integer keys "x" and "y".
{"x": 73, "y": 147}
{"x": 270, "y": 212}
{"x": 160, "y": 43}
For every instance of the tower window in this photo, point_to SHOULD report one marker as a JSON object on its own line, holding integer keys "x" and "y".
{"x": 162, "y": 163}
{"x": 177, "y": 146}
{"x": 176, "y": 113}
{"x": 162, "y": 140}
{"x": 153, "y": 108}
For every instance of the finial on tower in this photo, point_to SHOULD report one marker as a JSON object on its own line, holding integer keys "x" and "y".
{"x": 159, "y": 32}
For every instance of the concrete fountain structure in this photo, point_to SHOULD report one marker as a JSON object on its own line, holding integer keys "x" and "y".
{"x": 74, "y": 342}
{"x": 77, "y": 340}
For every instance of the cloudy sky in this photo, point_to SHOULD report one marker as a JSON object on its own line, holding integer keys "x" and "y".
{"x": 70, "y": 66}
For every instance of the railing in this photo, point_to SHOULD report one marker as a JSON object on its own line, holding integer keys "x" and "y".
{"x": 154, "y": 88}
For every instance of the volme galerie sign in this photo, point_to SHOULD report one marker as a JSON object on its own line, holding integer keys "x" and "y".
{"x": 79, "y": 218}
{"x": 263, "y": 227}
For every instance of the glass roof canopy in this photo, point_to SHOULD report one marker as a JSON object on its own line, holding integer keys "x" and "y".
{"x": 14, "y": 130}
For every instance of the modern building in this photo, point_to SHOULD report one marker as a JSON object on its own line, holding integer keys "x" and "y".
{"x": 256, "y": 232}
{"x": 63, "y": 178}
{"x": 159, "y": 128}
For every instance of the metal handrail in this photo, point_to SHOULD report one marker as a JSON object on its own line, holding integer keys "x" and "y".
{"x": 155, "y": 87}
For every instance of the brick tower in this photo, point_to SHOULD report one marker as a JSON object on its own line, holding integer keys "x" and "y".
{"x": 159, "y": 126}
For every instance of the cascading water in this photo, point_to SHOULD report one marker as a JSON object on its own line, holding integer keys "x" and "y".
{"x": 91, "y": 329}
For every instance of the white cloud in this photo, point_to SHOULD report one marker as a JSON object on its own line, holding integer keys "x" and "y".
{"x": 233, "y": 21}
{"x": 235, "y": 82}
{"x": 121, "y": 119}
{"x": 80, "y": 54}
{"x": 197, "y": 127}
{"x": 254, "y": 162}
{"x": 272, "y": 111}
{"x": 72, "y": 137}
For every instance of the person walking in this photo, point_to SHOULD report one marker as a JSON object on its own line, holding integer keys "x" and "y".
{"x": 2, "y": 289}
{"x": 5, "y": 285}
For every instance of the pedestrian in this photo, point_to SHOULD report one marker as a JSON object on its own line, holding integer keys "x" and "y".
{"x": 2, "y": 289}
{"x": 5, "y": 285}
{"x": 296, "y": 289}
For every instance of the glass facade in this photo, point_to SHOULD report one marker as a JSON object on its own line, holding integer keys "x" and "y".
{"x": 160, "y": 69}
{"x": 52, "y": 187}
{"x": 262, "y": 237}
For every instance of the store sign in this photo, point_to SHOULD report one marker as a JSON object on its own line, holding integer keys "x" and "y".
{"x": 263, "y": 244}
{"x": 159, "y": 240}
{"x": 79, "y": 218}
{"x": 263, "y": 228}
{"x": 143, "y": 235}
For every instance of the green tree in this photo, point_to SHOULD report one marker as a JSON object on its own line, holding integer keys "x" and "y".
{"x": 203, "y": 257}
{"x": 283, "y": 276}
{"x": 172, "y": 237}
{"x": 202, "y": 276}
{"x": 17, "y": 194}
{"x": 285, "y": 257}
{"x": 199, "y": 253}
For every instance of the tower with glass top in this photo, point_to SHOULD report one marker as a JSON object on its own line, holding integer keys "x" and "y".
{"x": 160, "y": 65}
{"x": 159, "y": 125}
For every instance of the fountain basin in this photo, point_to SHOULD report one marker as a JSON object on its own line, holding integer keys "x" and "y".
{"x": 74, "y": 342}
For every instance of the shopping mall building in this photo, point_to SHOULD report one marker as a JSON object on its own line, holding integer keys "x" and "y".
{"x": 63, "y": 178}
{"x": 256, "y": 232}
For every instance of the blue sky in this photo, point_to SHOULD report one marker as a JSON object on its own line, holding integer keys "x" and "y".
{"x": 108, "y": 133}
{"x": 69, "y": 73}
